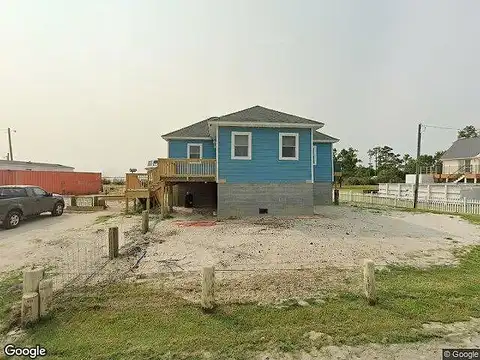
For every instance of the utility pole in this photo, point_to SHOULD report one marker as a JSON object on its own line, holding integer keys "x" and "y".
{"x": 10, "y": 143}
{"x": 417, "y": 174}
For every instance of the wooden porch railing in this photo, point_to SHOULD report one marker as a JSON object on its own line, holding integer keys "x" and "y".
{"x": 182, "y": 169}
{"x": 136, "y": 181}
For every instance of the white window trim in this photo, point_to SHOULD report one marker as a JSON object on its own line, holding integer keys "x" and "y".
{"x": 188, "y": 150}
{"x": 314, "y": 153}
{"x": 249, "y": 157}
{"x": 280, "y": 136}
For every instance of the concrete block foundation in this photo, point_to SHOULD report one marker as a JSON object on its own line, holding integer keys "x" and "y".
{"x": 322, "y": 194}
{"x": 239, "y": 200}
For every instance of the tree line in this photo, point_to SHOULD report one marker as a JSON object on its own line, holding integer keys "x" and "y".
{"x": 387, "y": 166}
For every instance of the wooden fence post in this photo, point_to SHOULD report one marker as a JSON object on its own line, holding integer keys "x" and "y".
{"x": 31, "y": 279}
{"x": 464, "y": 205}
{"x": 350, "y": 196}
{"x": 369, "y": 281}
{"x": 113, "y": 242}
{"x": 144, "y": 221}
{"x": 45, "y": 293}
{"x": 30, "y": 308}
{"x": 208, "y": 282}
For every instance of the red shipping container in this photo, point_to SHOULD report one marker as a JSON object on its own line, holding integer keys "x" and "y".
{"x": 58, "y": 182}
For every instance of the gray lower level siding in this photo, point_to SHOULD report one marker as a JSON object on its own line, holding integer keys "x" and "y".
{"x": 280, "y": 199}
{"x": 322, "y": 193}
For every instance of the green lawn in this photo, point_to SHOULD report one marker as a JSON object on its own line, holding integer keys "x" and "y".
{"x": 139, "y": 322}
{"x": 10, "y": 293}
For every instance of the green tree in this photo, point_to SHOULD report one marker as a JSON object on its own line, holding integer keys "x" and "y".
{"x": 409, "y": 164}
{"x": 349, "y": 160}
{"x": 468, "y": 132}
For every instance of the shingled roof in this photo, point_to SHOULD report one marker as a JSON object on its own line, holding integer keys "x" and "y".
{"x": 465, "y": 148}
{"x": 197, "y": 130}
{"x": 260, "y": 114}
{"x": 321, "y": 137}
{"x": 255, "y": 114}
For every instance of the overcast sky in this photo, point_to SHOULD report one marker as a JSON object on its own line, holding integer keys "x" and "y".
{"x": 94, "y": 83}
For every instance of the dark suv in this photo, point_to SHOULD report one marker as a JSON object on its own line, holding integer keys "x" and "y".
{"x": 20, "y": 201}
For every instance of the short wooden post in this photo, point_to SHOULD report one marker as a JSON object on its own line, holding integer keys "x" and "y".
{"x": 208, "y": 282}
{"x": 165, "y": 201}
{"x": 162, "y": 202}
{"x": 73, "y": 201}
{"x": 144, "y": 221}
{"x": 30, "y": 308}
{"x": 113, "y": 242}
{"x": 170, "y": 198}
{"x": 369, "y": 281}
{"x": 31, "y": 279}
{"x": 148, "y": 203}
{"x": 45, "y": 292}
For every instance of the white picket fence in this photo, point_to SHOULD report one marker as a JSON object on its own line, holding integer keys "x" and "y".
{"x": 452, "y": 206}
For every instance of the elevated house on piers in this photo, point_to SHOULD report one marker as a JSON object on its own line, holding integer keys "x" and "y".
{"x": 254, "y": 161}
{"x": 459, "y": 164}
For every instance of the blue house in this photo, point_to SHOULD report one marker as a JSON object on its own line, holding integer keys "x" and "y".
{"x": 254, "y": 161}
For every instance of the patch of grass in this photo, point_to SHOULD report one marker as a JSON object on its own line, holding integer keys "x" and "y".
{"x": 474, "y": 219}
{"x": 10, "y": 293}
{"x": 131, "y": 321}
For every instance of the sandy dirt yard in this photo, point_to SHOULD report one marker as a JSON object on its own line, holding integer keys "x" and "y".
{"x": 65, "y": 243}
{"x": 256, "y": 259}
{"x": 336, "y": 236}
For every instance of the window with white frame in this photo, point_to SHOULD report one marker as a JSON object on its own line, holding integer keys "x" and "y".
{"x": 288, "y": 146}
{"x": 241, "y": 145}
{"x": 194, "y": 151}
{"x": 314, "y": 153}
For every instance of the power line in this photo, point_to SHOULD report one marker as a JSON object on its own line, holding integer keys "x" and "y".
{"x": 441, "y": 127}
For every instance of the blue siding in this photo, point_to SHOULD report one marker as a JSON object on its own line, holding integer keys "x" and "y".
{"x": 177, "y": 149}
{"x": 323, "y": 170}
{"x": 264, "y": 167}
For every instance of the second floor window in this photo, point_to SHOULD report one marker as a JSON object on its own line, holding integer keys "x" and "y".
{"x": 241, "y": 145}
{"x": 194, "y": 151}
{"x": 288, "y": 146}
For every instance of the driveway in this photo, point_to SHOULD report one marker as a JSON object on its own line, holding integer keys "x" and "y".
{"x": 55, "y": 241}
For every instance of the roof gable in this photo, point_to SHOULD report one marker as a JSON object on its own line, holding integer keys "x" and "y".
{"x": 321, "y": 137}
{"x": 260, "y": 114}
{"x": 197, "y": 130}
{"x": 463, "y": 149}
{"x": 254, "y": 115}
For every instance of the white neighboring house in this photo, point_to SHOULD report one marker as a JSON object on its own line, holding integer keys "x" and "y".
{"x": 462, "y": 160}
{"x": 33, "y": 166}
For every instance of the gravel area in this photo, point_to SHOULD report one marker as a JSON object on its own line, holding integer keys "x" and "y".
{"x": 335, "y": 237}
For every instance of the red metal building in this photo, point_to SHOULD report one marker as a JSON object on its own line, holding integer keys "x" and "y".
{"x": 59, "y": 182}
